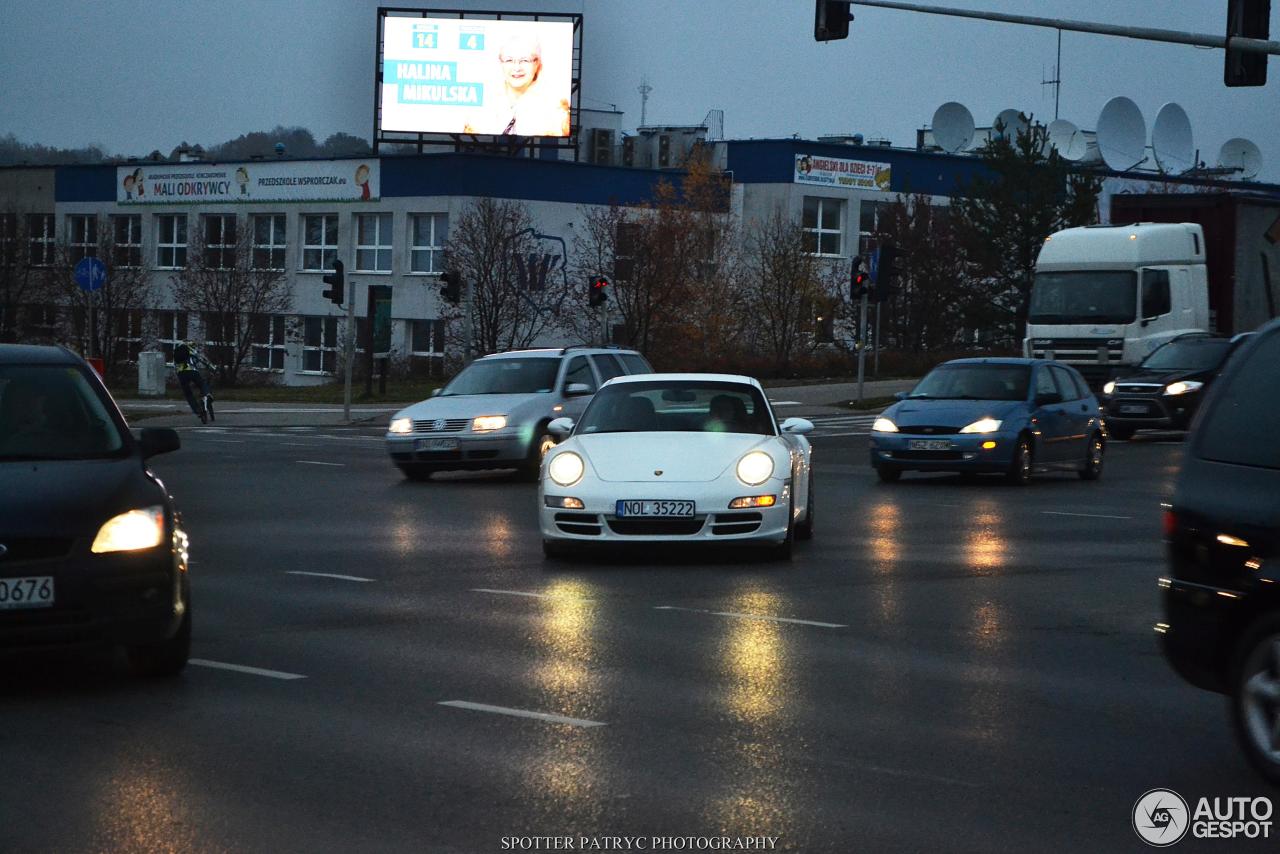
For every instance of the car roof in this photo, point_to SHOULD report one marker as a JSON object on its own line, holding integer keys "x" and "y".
{"x": 36, "y": 354}
{"x": 671, "y": 377}
{"x": 554, "y": 352}
{"x": 999, "y": 360}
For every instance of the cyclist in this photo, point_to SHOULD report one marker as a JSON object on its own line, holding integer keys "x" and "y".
{"x": 186, "y": 362}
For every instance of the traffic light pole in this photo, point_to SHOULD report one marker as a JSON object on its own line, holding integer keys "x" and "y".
{"x": 351, "y": 350}
{"x": 862, "y": 344}
{"x": 875, "y": 370}
{"x": 468, "y": 323}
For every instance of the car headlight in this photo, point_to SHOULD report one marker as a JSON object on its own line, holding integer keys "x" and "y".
{"x": 1110, "y": 387}
{"x": 137, "y": 529}
{"x": 488, "y": 422}
{"x": 755, "y": 468}
{"x": 884, "y": 425}
{"x": 982, "y": 425}
{"x": 401, "y": 425}
{"x": 565, "y": 468}
{"x": 1183, "y": 386}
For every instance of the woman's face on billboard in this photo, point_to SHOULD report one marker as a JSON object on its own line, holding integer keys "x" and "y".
{"x": 521, "y": 60}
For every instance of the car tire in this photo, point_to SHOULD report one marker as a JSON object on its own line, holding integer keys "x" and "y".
{"x": 1093, "y": 459}
{"x": 1254, "y": 688}
{"x": 804, "y": 531}
{"x": 416, "y": 471}
{"x": 889, "y": 474}
{"x": 1124, "y": 434}
{"x": 543, "y": 442}
{"x": 167, "y": 657}
{"x": 1019, "y": 473}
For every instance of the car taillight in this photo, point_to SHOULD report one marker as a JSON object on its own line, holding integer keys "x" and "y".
{"x": 1169, "y": 523}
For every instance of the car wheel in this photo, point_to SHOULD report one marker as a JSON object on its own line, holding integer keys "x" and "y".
{"x": 889, "y": 474}
{"x": 1255, "y": 698}
{"x": 804, "y": 531}
{"x": 416, "y": 471}
{"x": 1020, "y": 467}
{"x": 1093, "y": 459}
{"x": 166, "y": 658}
{"x": 542, "y": 443}
{"x": 1122, "y": 433}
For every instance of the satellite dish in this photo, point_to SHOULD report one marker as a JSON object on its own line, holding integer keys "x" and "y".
{"x": 1242, "y": 156}
{"x": 1013, "y": 123}
{"x": 1122, "y": 134}
{"x": 1171, "y": 140}
{"x": 1068, "y": 140}
{"x": 953, "y": 127}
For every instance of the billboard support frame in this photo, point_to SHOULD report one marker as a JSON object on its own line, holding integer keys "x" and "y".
{"x": 510, "y": 146}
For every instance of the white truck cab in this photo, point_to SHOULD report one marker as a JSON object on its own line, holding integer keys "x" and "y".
{"x": 1106, "y": 296}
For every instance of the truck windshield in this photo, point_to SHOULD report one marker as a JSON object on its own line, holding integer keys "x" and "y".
{"x": 1084, "y": 296}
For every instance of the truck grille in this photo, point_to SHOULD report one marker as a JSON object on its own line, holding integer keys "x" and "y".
{"x": 1078, "y": 350}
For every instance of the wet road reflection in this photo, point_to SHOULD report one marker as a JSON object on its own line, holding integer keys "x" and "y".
{"x": 985, "y": 542}
{"x": 141, "y": 807}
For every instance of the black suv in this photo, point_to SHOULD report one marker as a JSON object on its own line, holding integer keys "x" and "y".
{"x": 1166, "y": 389}
{"x": 1222, "y": 596}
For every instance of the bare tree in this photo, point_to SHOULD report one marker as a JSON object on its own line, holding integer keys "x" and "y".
{"x": 518, "y": 290}
{"x": 231, "y": 289}
{"x": 24, "y": 278}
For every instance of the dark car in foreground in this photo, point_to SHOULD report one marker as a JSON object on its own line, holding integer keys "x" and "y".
{"x": 1221, "y": 629}
{"x": 1013, "y": 416}
{"x": 91, "y": 549}
{"x": 1165, "y": 391}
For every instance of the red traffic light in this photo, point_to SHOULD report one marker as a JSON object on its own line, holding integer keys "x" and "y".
{"x": 598, "y": 293}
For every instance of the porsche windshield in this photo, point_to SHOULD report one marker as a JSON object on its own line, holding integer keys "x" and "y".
{"x": 505, "y": 376}
{"x": 51, "y": 412}
{"x": 677, "y": 407}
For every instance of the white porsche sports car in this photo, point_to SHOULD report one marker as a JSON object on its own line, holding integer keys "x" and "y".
{"x": 677, "y": 458}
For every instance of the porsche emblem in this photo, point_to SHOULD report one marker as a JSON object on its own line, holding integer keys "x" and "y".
{"x": 658, "y": 472}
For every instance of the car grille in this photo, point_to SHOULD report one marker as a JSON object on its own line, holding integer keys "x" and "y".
{"x": 1139, "y": 388}
{"x": 440, "y": 425}
{"x": 585, "y": 524}
{"x": 48, "y": 627}
{"x": 927, "y": 430}
{"x": 657, "y": 527}
{"x": 723, "y": 524}
{"x": 33, "y": 548}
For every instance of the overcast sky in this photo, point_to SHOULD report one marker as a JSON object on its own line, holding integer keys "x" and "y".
{"x": 133, "y": 76}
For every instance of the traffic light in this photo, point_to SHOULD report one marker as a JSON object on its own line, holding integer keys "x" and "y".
{"x": 337, "y": 292}
{"x": 831, "y": 20}
{"x": 859, "y": 279}
{"x": 452, "y": 287}
{"x": 886, "y": 272}
{"x": 598, "y": 292}
{"x": 1250, "y": 19}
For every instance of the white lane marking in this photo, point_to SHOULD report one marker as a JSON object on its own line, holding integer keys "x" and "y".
{"x": 228, "y": 441}
{"x": 785, "y": 402}
{"x": 826, "y": 435}
{"x": 329, "y": 575}
{"x": 279, "y": 411}
{"x": 240, "y": 668}
{"x": 752, "y": 617}
{"x": 1083, "y": 515}
{"x": 520, "y": 713}
{"x": 525, "y": 593}
{"x": 318, "y": 463}
{"x": 300, "y": 444}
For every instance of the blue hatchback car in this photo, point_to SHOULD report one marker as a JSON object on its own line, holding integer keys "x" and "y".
{"x": 1013, "y": 416}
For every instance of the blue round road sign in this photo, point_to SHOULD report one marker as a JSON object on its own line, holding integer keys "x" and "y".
{"x": 91, "y": 274}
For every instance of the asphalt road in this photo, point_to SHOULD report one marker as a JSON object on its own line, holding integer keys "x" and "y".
{"x": 946, "y": 666}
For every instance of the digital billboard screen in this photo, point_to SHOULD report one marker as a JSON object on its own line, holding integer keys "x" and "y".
{"x": 476, "y": 76}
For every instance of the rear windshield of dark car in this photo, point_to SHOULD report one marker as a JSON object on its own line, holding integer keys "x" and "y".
{"x": 1241, "y": 426}
{"x": 974, "y": 381}
{"x": 1194, "y": 354}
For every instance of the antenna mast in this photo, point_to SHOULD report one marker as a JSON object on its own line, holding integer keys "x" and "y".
{"x": 644, "y": 91}
{"x": 1056, "y": 82}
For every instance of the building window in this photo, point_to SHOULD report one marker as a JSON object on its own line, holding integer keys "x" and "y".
{"x": 320, "y": 241}
{"x": 82, "y": 235}
{"x": 41, "y": 238}
{"x": 872, "y": 219}
{"x": 268, "y": 242}
{"x": 219, "y": 336}
{"x": 8, "y": 239}
{"x": 127, "y": 242}
{"x": 320, "y": 345}
{"x": 267, "y": 331}
{"x": 171, "y": 241}
{"x": 220, "y": 241}
{"x": 373, "y": 243}
{"x": 40, "y": 322}
{"x": 427, "y": 236}
{"x": 823, "y": 225}
{"x": 129, "y": 332}
{"x": 427, "y": 338}
{"x": 171, "y": 330}
{"x": 626, "y": 243}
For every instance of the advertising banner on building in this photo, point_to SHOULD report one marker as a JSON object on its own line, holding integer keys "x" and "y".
{"x": 256, "y": 181}
{"x": 837, "y": 172}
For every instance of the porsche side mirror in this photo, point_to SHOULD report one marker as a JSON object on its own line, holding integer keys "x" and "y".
{"x": 561, "y": 428}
